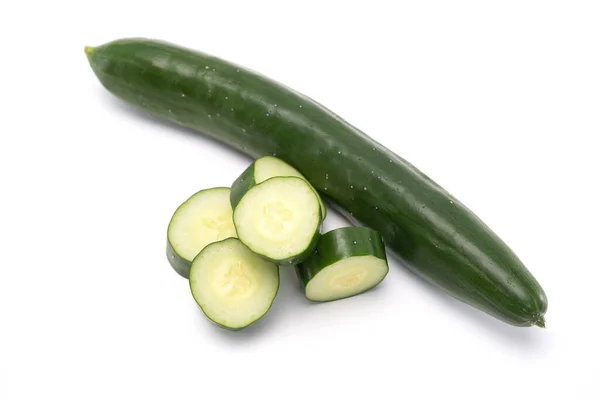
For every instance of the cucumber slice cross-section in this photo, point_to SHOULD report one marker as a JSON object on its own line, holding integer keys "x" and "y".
{"x": 205, "y": 217}
{"x": 348, "y": 261}
{"x": 279, "y": 219}
{"x": 262, "y": 169}
{"x": 233, "y": 286}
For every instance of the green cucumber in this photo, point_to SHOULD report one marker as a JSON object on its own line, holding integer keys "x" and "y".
{"x": 233, "y": 286}
{"x": 348, "y": 261}
{"x": 433, "y": 233}
{"x": 279, "y": 219}
{"x": 205, "y": 217}
{"x": 262, "y": 169}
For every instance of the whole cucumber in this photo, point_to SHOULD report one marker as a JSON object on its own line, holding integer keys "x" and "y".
{"x": 435, "y": 235}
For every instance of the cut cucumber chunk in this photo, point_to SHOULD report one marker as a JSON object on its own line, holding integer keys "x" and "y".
{"x": 279, "y": 219}
{"x": 348, "y": 261}
{"x": 203, "y": 218}
{"x": 262, "y": 169}
{"x": 233, "y": 286}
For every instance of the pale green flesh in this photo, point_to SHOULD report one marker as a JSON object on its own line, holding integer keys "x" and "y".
{"x": 233, "y": 286}
{"x": 345, "y": 278}
{"x": 278, "y": 218}
{"x": 269, "y": 167}
{"x": 204, "y": 218}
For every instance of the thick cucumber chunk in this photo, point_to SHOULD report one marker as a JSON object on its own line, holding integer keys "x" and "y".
{"x": 279, "y": 219}
{"x": 203, "y": 218}
{"x": 233, "y": 286}
{"x": 347, "y": 262}
{"x": 262, "y": 169}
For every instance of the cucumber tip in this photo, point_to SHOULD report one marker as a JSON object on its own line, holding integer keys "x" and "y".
{"x": 88, "y": 50}
{"x": 540, "y": 322}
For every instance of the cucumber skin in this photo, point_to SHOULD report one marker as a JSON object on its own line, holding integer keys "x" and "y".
{"x": 339, "y": 244}
{"x": 241, "y": 185}
{"x": 291, "y": 260}
{"x": 179, "y": 264}
{"x": 434, "y": 234}
{"x": 225, "y": 326}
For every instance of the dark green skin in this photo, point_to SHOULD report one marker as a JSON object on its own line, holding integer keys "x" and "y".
{"x": 308, "y": 250}
{"x": 241, "y": 185}
{"x": 434, "y": 234}
{"x": 179, "y": 264}
{"x": 340, "y": 244}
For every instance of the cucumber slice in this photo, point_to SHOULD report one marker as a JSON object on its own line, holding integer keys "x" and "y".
{"x": 348, "y": 261}
{"x": 205, "y": 217}
{"x": 279, "y": 219}
{"x": 233, "y": 286}
{"x": 262, "y": 169}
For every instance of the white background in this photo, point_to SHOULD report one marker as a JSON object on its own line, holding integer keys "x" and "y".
{"x": 499, "y": 102}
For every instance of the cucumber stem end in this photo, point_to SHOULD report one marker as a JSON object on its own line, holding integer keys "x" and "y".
{"x": 540, "y": 322}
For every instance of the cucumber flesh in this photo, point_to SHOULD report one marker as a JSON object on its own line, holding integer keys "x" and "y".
{"x": 279, "y": 219}
{"x": 233, "y": 286}
{"x": 205, "y": 217}
{"x": 346, "y": 278}
{"x": 269, "y": 167}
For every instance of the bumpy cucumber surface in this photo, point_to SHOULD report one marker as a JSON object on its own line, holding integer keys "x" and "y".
{"x": 347, "y": 261}
{"x": 233, "y": 286}
{"x": 262, "y": 169}
{"x": 205, "y": 217}
{"x": 279, "y": 219}
{"x": 434, "y": 234}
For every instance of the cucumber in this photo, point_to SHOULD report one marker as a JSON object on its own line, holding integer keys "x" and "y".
{"x": 262, "y": 169}
{"x": 233, "y": 286}
{"x": 279, "y": 219}
{"x": 348, "y": 261}
{"x": 205, "y": 217}
{"x": 433, "y": 233}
